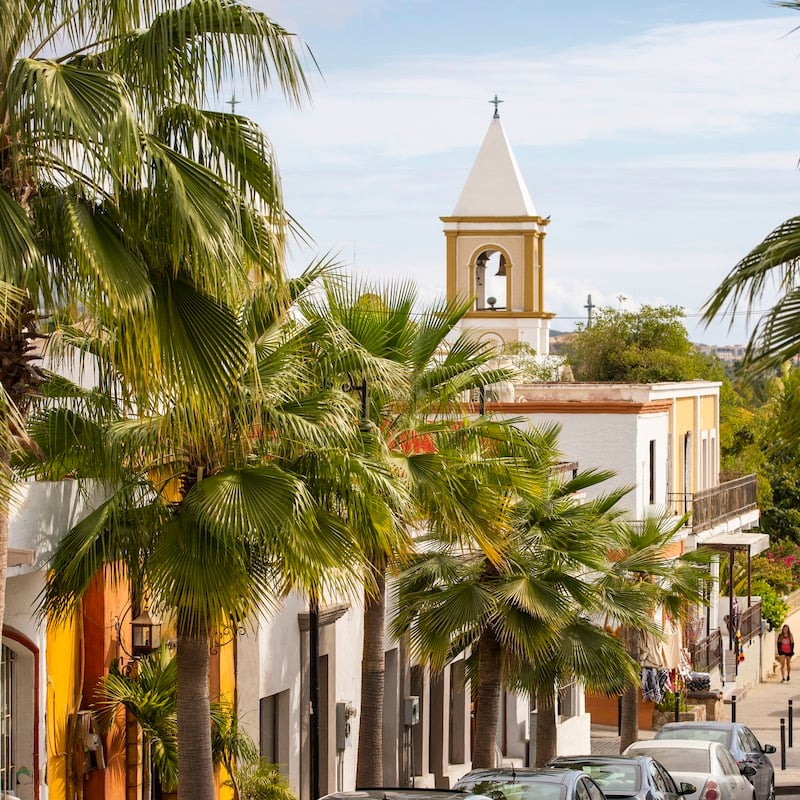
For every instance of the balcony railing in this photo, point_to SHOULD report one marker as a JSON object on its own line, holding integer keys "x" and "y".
{"x": 706, "y": 653}
{"x": 718, "y": 504}
{"x": 750, "y": 622}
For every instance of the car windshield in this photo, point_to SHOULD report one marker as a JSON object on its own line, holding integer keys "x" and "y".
{"x": 617, "y": 778}
{"x": 695, "y": 734}
{"x": 539, "y": 790}
{"x": 680, "y": 759}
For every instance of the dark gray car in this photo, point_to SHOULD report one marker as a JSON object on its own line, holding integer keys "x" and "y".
{"x": 530, "y": 784}
{"x": 627, "y": 777}
{"x": 742, "y": 743}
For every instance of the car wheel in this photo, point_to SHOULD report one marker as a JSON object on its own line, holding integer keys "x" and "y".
{"x": 771, "y": 793}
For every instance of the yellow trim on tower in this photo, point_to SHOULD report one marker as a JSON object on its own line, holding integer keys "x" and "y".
{"x": 541, "y": 269}
{"x": 540, "y": 220}
{"x": 452, "y": 264}
{"x": 529, "y": 272}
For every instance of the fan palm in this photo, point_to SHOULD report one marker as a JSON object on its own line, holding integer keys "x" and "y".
{"x": 511, "y": 607}
{"x": 674, "y": 585}
{"x": 412, "y": 370}
{"x": 149, "y": 696}
{"x": 770, "y": 265}
{"x": 85, "y": 137}
{"x": 213, "y": 518}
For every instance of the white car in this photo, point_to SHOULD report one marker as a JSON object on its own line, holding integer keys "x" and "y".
{"x": 708, "y": 765}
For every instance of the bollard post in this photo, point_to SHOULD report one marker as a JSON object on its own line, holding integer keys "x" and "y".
{"x": 783, "y": 743}
{"x": 733, "y": 708}
{"x": 791, "y": 725}
{"x": 677, "y": 707}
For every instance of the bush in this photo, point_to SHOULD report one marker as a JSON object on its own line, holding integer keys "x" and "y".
{"x": 668, "y": 703}
{"x": 263, "y": 781}
{"x": 773, "y": 607}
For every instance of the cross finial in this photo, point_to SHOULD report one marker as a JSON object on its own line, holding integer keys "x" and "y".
{"x": 233, "y": 102}
{"x": 496, "y": 104}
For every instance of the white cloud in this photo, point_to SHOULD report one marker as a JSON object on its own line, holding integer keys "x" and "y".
{"x": 696, "y": 79}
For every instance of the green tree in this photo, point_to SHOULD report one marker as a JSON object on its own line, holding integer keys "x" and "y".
{"x": 644, "y": 346}
{"x": 212, "y": 518}
{"x": 148, "y": 694}
{"x": 521, "y": 605}
{"x": 103, "y": 145}
{"x": 412, "y": 372}
{"x": 675, "y": 585}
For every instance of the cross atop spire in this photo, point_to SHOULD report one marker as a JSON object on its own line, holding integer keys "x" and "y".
{"x": 233, "y": 102}
{"x": 496, "y": 104}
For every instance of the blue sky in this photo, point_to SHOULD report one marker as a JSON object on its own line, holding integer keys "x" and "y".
{"x": 661, "y": 137}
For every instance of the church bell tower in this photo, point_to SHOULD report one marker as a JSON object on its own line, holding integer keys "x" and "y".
{"x": 495, "y": 249}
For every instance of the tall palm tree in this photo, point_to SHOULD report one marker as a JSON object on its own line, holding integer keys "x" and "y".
{"x": 85, "y": 136}
{"x": 673, "y": 585}
{"x": 772, "y": 264}
{"x": 412, "y": 406}
{"x": 212, "y": 517}
{"x": 510, "y": 608}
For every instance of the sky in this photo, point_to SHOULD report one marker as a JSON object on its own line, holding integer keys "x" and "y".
{"x": 660, "y": 136}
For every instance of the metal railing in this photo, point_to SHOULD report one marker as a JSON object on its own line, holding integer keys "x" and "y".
{"x": 707, "y": 652}
{"x": 717, "y": 504}
{"x": 750, "y": 622}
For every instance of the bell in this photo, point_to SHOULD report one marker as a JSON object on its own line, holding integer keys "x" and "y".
{"x": 501, "y": 269}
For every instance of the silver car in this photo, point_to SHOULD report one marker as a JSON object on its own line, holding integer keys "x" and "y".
{"x": 708, "y": 765}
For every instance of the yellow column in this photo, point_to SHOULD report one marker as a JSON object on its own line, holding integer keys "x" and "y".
{"x": 452, "y": 266}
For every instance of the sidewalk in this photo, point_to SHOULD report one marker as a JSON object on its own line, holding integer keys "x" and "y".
{"x": 761, "y": 709}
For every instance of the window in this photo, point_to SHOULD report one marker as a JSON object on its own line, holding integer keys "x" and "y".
{"x": 652, "y": 471}
{"x": 729, "y": 766}
{"x": 7, "y": 770}
{"x": 274, "y": 728}
{"x": 658, "y": 778}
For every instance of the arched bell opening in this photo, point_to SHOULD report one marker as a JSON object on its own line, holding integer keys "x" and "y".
{"x": 492, "y": 272}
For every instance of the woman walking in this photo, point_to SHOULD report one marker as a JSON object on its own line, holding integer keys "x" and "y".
{"x": 785, "y": 652}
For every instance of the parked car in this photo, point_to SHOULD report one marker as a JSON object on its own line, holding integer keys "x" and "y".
{"x": 627, "y": 777}
{"x": 740, "y": 740}
{"x": 397, "y": 794}
{"x": 710, "y": 766}
{"x": 530, "y": 784}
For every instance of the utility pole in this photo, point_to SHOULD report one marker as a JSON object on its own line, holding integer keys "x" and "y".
{"x": 590, "y": 307}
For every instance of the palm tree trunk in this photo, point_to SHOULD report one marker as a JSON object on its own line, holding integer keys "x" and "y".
{"x": 147, "y": 768}
{"x": 546, "y": 740}
{"x": 5, "y": 475}
{"x": 370, "y": 730}
{"x": 487, "y": 700}
{"x": 629, "y": 708}
{"x": 21, "y": 378}
{"x": 195, "y": 767}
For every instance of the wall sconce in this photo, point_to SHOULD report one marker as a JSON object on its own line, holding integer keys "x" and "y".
{"x": 145, "y": 636}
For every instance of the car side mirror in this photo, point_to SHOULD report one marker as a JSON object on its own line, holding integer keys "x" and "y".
{"x": 769, "y": 748}
{"x": 747, "y": 770}
{"x": 686, "y": 788}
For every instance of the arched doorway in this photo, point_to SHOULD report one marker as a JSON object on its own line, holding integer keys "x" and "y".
{"x": 19, "y": 716}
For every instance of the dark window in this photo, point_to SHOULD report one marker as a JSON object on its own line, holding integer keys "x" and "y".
{"x": 652, "y": 471}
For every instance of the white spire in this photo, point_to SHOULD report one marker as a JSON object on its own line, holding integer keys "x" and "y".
{"x": 495, "y": 187}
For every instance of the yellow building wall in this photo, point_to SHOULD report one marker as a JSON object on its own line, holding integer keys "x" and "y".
{"x": 64, "y": 682}
{"x": 708, "y": 412}
{"x": 227, "y": 695}
{"x": 684, "y": 421}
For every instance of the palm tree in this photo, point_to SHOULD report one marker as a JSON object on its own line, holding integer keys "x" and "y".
{"x": 673, "y": 585}
{"x": 510, "y": 607}
{"x": 773, "y": 263}
{"x": 85, "y": 137}
{"x": 412, "y": 372}
{"x": 148, "y": 695}
{"x": 211, "y": 517}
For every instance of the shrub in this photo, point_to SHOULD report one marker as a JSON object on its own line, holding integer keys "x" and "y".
{"x": 773, "y": 607}
{"x": 668, "y": 703}
{"x": 263, "y": 781}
